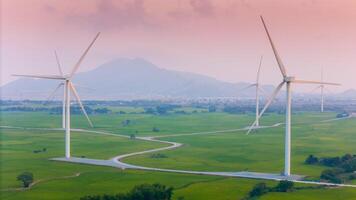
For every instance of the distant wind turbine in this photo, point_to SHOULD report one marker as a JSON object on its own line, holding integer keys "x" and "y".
{"x": 288, "y": 81}
{"x": 322, "y": 91}
{"x": 257, "y": 93}
{"x": 68, "y": 87}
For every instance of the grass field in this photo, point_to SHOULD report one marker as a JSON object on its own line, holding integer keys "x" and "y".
{"x": 234, "y": 151}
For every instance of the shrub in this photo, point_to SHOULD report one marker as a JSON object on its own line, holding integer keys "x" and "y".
{"x": 150, "y": 192}
{"x": 311, "y": 160}
{"x": 158, "y": 155}
{"x": 331, "y": 161}
{"x": 346, "y": 157}
{"x": 26, "y": 178}
{"x": 258, "y": 190}
{"x": 155, "y": 129}
{"x": 140, "y": 192}
{"x": 331, "y": 175}
{"x": 349, "y": 165}
{"x": 284, "y": 186}
{"x": 212, "y": 109}
{"x": 126, "y": 122}
{"x": 94, "y": 197}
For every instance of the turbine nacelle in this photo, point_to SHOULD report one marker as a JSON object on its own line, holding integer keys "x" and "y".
{"x": 289, "y": 79}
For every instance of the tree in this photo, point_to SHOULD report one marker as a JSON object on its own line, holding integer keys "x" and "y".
{"x": 162, "y": 110}
{"x": 140, "y": 192}
{"x": 284, "y": 186}
{"x": 126, "y": 122}
{"x": 150, "y": 111}
{"x": 26, "y": 178}
{"x": 132, "y": 136}
{"x": 155, "y": 129}
{"x": 101, "y": 110}
{"x": 95, "y": 197}
{"x": 331, "y": 175}
{"x": 346, "y": 157}
{"x": 212, "y": 109}
{"x": 331, "y": 161}
{"x": 258, "y": 190}
{"x": 311, "y": 160}
{"x": 349, "y": 165}
{"x": 150, "y": 192}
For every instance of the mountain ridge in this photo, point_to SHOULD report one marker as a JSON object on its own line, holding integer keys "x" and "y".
{"x": 136, "y": 78}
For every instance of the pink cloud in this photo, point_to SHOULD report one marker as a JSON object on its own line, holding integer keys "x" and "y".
{"x": 202, "y": 7}
{"x": 223, "y": 39}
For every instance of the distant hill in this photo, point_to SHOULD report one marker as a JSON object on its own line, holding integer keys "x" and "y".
{"x": 131, "y": 79}
{"x": 349, "y": 94}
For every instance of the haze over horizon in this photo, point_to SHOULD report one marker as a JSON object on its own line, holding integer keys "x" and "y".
{"x": 221, "y": 39}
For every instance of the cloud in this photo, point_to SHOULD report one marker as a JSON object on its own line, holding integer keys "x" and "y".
{"x": 202, "y": 7}
{"x": 110, "y": 14}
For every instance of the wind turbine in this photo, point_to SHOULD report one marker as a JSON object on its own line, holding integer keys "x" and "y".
{"x": 288, "y": 81}
{"x": 66, "y": 81}
{"x": 322, "y": 91}
{"x": 257, "y": 93}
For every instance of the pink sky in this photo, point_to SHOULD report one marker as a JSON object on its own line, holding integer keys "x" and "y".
{"x": 222, "y": 38}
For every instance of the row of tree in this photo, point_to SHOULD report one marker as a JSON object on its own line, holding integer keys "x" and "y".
{"x": 161, "y": 109}
{"x": 343, "y": 167}
{"x": 56, "y": 110}
{"x": 140, "y": 192}
{"x": 262, "y": 188}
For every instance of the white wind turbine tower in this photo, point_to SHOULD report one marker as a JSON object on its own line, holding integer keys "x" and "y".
{"x": 68, "y": 88}
{"x": 257, "y": 93}
{"x": 288, "y": 81}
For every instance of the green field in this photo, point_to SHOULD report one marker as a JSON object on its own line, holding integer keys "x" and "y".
{"x": 261, "y": 151}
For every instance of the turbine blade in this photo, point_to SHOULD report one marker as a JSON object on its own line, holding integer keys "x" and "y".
{"x": 311, "y": 91}
{"x": 58, "y": 64}
{"x": 51, "y": 96}
{"x": 262, "y": 90}
{"x": 40, "y": 76}
{"x": 80, "y": 103}
{"x": 259, "y": 71}
{"x": 247, "y": 87}
{"x": 76, "y": 66}
{"x": 279, "y": 60}
{"x": 314, "y": 82}
{"x": 270, "y": 100}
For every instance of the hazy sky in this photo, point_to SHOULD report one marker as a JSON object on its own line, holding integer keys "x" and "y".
{"x": 221, "y": 38}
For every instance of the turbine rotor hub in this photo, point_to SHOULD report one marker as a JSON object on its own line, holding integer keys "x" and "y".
{"x": 289, "y": 79}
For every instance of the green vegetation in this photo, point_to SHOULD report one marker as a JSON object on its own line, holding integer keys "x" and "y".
{"x": 258, "y": 190}
{"x": 261, "y": 151}
{"x": 26, "y": 178}
{"x": 140, "y": 192}
{"x": 284, "y": 186}
{"x": 261, "y": 188}
{"x": 158, "y": 155}
{"x": 232, "y": 151}
{"x": 343, "y": 167}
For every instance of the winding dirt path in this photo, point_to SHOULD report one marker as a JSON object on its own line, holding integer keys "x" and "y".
{"x": 117, "y": 161}
{"x": 41, "y": 181}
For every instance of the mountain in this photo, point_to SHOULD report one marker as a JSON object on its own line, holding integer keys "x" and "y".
{"x": 131, "y": 79}
{"x": 349, "y": 94}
